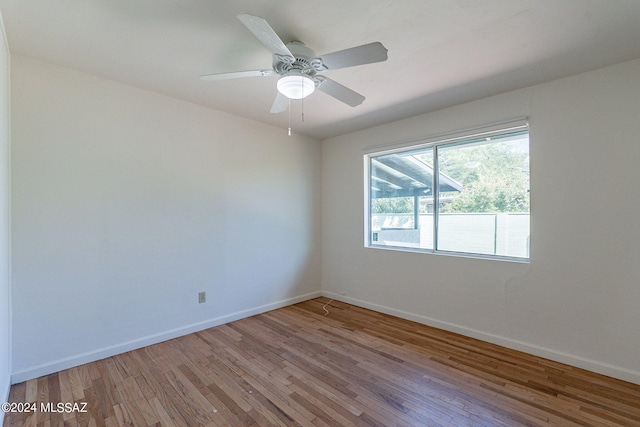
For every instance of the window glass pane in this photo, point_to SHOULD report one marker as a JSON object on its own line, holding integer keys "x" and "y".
{"x": 489, "y": 214}
{"x": 402, "y": 199}
{"x": 481, "y": 206}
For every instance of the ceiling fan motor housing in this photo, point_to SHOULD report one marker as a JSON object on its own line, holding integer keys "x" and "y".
{"x": 306, "y": 63}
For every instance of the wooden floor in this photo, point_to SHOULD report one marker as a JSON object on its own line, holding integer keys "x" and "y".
{"x": 295, "y": 366}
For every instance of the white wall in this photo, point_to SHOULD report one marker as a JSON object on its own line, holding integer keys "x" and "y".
{"x": 128, "y": 203}
{"x": 5, "y": 300}
{"x": 578, "y": 300}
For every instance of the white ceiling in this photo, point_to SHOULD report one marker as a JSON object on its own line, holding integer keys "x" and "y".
{"x": 441, "y": 52}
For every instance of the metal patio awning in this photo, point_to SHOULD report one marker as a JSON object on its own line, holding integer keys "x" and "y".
{"x": 406, "y": 176}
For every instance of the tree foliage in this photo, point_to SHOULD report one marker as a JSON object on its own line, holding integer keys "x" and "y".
{"x": 494, "y": 176}
{"x": 392, "y": 205}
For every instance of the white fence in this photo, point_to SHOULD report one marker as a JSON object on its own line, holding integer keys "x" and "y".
{"x": 503, "y": 234}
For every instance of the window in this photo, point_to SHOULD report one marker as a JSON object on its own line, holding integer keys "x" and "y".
{"x": 465, "y": 193}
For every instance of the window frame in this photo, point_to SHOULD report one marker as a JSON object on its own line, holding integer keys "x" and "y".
{"x": 435, "y": 142}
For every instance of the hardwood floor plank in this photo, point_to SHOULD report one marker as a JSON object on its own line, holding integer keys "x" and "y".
{"x": 193, "y": 403}
{"x": 285, "y": 407}
{"x": 30, "y": 393}
{"x": 55, "y": 418}
{"x": 160, "y": 412}
{"x": 101, "y": 399}
{"x": 95, "y": 407}
{"x": 322, "y": 403}
{"x": 297, "y": 366}
{"x": 315, "y": 386}
{"x": 75, "y": 384}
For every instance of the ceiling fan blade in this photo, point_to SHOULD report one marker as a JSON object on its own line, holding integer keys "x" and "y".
{"x": 359, "y": 55}
{"x": 237, "y": 75}
{"x": 280, "y": 104}
{"x": 340, "y": 92}
{"x": 263, "y": 31}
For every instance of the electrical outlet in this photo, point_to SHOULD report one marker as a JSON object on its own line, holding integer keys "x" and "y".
{"x": 202, "y": 297}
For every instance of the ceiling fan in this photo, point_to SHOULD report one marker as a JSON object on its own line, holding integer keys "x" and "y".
{"x": 299, "y": 67}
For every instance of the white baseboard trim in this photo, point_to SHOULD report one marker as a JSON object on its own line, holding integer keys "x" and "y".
{"x": 613, "y": 371}
{"x": 92, "y": 356}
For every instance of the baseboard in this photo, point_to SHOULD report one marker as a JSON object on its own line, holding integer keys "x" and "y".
{"x": 92, "y": 356}
{"x": 557, "y": 356}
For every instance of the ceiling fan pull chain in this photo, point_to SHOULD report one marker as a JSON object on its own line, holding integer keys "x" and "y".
{"x": 302, "y": 105}
{"x": 289, "y": 116}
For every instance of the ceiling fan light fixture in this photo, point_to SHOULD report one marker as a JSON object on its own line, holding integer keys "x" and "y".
{"x": 296, "y": 86}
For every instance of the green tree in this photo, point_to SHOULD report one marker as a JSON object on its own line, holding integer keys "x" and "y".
{"x": 494, "y": 176}
{"x": 392, "y": 205}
